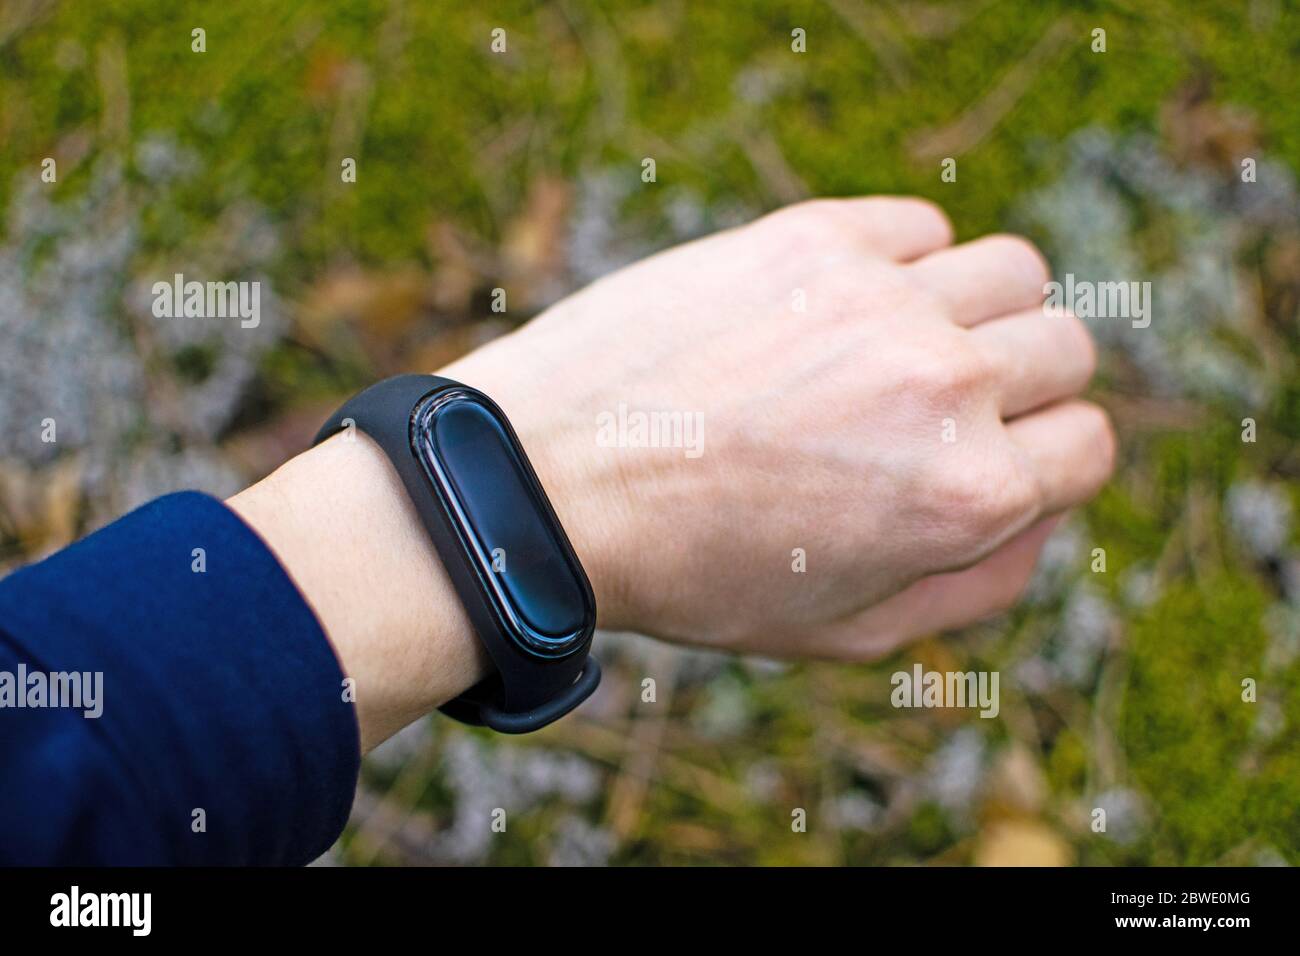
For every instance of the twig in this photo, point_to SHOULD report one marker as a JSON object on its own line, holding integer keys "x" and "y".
{"x": 978, "y": 121}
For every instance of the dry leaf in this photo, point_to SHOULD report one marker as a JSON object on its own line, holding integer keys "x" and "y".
{"x": 377, "y": 308}
{"x": 1017, "y": 785}
{"x": 1021, "y": 843}
{"x": 1202, "y": 131}
{"x": 532, "y": 248}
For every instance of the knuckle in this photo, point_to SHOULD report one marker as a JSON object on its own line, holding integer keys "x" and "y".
{"x": 948, "y": 376}
{"x": 1021, "y": 494}
{"x": 867, "y": 287}
{"x": 979, "y": 502}
{"x": 960, "y": 495}
{"x": 916, "y": 298}
{"x": 810, "y": 220}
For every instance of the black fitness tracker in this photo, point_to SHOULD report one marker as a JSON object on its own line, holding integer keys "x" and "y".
{"x": 507, "y": 556}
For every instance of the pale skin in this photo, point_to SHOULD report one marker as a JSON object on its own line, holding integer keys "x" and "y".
{"x": 914, "y": 429}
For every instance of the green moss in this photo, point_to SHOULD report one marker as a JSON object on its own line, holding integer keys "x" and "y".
{"x": 927, "y": 831}
{"x": 1189, "y": 735}
{"x": 1067, "y": 763}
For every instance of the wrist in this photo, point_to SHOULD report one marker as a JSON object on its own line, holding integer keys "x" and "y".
{"x": 340, "y": 523}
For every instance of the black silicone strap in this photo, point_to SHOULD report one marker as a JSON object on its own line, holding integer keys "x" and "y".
{"x": 527, "y": 692}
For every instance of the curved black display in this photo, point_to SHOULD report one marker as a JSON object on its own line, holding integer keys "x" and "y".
{"x": 504, "y": 521}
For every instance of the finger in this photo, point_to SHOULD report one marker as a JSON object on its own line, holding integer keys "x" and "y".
{"x": 894, "y": 227}
{"x": 1037, "y": 358}
{"x": 986, "y": 278}
{"x": 944, "y": 601}
{"x": 1071, "y": 448}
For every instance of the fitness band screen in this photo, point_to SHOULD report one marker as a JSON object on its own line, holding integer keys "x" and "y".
{"x": 499, "y": 509}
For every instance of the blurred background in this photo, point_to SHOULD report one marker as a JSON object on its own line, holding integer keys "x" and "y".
{"x": 1120, "y": 689}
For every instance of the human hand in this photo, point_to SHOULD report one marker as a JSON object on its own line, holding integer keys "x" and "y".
{"x": 913, "y": 432}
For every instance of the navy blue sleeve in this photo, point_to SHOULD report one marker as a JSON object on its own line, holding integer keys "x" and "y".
{"x": 219, "y": 733}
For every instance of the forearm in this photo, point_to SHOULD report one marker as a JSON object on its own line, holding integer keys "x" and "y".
{"x": 341, "y": 525}
{"x": 180, "y": 705}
